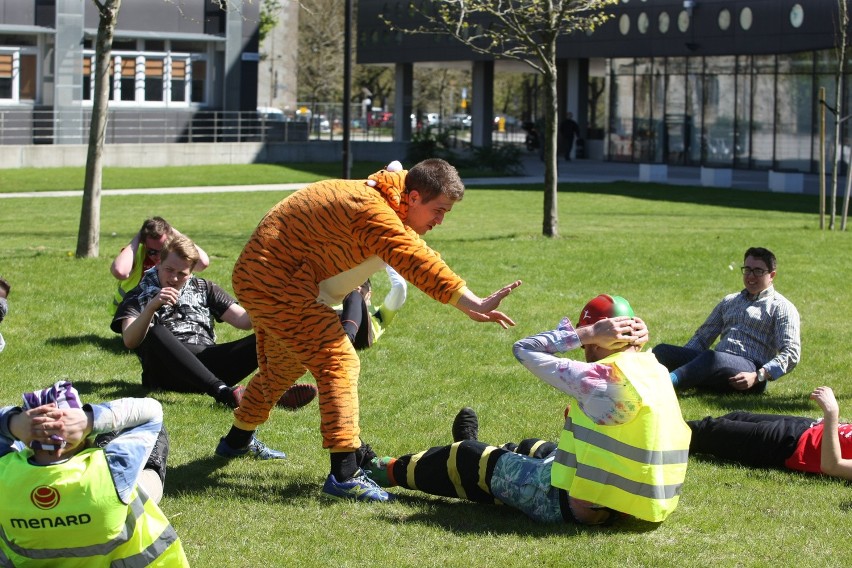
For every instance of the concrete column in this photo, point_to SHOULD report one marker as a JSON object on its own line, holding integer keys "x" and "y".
{"x": 67, "y": 73}
{"x": 482, "y": 107}
{"x": 233, "y": 54}
{"x": 403, "y": 102}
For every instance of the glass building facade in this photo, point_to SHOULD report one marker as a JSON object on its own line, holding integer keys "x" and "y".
{"x": 747, "y": 111}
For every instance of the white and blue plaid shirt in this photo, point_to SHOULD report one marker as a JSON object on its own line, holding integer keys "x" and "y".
{"x": 764, "y": 330}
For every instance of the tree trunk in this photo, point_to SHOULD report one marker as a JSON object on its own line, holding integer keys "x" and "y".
{"x": 550, "y": 225}
{"x": 88, "y": 235}
{"x": 843, "y": 17}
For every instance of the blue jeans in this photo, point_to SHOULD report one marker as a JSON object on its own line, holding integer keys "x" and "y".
{"x": 705, "y": 369}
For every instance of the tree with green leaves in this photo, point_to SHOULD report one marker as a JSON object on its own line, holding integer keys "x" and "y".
{"x": 523, "y": 30}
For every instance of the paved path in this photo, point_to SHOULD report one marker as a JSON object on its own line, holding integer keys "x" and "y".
{"x": 577, "y": 171}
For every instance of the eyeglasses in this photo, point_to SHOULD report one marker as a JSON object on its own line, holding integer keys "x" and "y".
{"x": 748, "y": 270}
{"x": 153, "y": 252}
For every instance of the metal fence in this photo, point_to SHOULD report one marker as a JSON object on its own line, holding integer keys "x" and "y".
{"x": 143, "y": 126}
{"x": 154, "y": 126}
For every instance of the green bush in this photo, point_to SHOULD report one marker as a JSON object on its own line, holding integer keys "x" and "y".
{"x": 431, "y": 143}
{"x": 504, "y": 159}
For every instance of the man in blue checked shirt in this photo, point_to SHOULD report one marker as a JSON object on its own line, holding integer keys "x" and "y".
{"x": 759, "y": 330}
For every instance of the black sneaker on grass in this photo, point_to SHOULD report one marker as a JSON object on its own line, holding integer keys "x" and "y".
{"x": 465, "y": 425}
{"x": 256, "y": 449}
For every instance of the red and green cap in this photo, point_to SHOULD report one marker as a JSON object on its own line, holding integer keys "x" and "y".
{"x": 602, "y": 307}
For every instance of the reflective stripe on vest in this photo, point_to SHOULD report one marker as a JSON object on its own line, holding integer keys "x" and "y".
{"x": 637, "y": 467}
{"x": 142, "y": 533}
{"x": 640, "y": 455}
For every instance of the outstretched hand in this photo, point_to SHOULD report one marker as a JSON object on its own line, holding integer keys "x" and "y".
{"x": 491, "y": 302}
{"x": 484, "y": 309}
{"x": 824, "y": 397}
{"x": 492, "y": 316}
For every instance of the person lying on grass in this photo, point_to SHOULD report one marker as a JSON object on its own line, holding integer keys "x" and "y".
{"x": 623, "y": 449}
{"x": 780, "y": 441}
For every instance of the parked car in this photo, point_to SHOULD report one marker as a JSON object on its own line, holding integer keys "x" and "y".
{"x": 460, "y": 120}
{"x": 271, "y": 114}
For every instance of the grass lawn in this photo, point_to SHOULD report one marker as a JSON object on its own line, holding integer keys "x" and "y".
{"x": 72, "y": 178}
{"x": 672, "y": 251}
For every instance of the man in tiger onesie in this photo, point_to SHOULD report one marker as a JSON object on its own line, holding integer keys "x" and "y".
{"x": 307, "y": 253}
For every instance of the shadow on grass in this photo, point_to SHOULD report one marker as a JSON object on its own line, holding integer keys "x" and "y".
{"x": 210, "y": 473}
{"x": 766, "y": 403}
{"x": 462, "y": 517}
{"x": 110, "y": 390}
{"x": 733, "y": 198}
{"x": 113, "y": 344}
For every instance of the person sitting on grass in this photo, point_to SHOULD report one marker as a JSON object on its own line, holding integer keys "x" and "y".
{"x": 143, "y": 253}
{"x": 70, "y": 500}
{"x": 168, "y": 321}
{"x": 759, "y": 336}
{"x": 779, "y": 441}
{"x": 624, "y": 444}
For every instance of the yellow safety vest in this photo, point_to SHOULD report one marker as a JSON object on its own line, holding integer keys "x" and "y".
{"x": 69, "y": 515}
{"x": 638, "y": 467}
{"x": 125, "y": 286}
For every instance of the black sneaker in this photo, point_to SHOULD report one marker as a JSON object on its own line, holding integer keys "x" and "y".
{"x": 230, "y": 396}
{"x": 465, "y": 425}
{"x": 159, "y": 455}
{"x": 364, "y": 455}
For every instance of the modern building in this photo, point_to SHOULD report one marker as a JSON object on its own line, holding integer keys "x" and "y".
{"x": 723, "y": 83}
{"x": 171, "y": 62}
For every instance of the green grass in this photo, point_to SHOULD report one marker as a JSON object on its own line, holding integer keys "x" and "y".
{"x": 666, "y": 249}
{"x": 72, "y": 178}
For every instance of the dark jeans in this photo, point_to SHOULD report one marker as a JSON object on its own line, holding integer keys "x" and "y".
{"x": 758, "y": 440}
{"x": 168, "y": 364}
{"x": 705, "y": 369}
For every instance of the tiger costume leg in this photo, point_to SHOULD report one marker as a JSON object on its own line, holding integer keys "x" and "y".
{"x": 291, "y": 341}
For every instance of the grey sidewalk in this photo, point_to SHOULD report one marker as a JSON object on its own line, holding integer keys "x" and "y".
{"x": 576, "y": 171}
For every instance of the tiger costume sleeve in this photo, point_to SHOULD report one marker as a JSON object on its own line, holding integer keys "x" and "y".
{"x": 339, "y": 232}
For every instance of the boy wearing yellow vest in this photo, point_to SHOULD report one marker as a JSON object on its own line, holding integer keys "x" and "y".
{"x": 68, "y": 503}
{"x": 624, "y": 445}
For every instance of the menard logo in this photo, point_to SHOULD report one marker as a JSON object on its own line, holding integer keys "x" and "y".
{"x": 45, "y": 497}
{"x": 52, "y": 522}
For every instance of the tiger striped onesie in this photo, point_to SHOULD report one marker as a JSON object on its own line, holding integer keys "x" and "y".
{"x": 307, "y": 253}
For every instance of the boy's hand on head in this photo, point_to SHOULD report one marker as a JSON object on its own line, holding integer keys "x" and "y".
{"x": 612, "y": 333}
{"x": 639, "y": 335}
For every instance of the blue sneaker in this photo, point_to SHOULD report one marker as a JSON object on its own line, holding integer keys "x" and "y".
{"x": 358, "y": 487}
{"x": 256, "y": 449}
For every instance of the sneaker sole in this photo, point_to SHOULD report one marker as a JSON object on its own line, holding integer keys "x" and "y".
{"x": 298, "y": 396}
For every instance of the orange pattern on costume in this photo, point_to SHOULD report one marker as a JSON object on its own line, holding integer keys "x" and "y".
{"x": 310, "y": 250}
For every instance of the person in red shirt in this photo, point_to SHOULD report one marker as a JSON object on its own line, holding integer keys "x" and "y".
{"x": 780, "y": 441}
